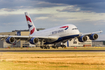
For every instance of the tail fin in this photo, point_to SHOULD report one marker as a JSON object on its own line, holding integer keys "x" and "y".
{"x": 31, "y": 26}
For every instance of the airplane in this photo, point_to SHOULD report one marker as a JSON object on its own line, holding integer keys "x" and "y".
{"x": 54, "y": 35}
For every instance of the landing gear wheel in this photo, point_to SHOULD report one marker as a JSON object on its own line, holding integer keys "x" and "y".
{"x": 63, "y": 46}
{"x": 54, "y": 47}
{"x": 41, "y": 47}
{"x": 48, "y": 47}
{"x": 45, "y": 47}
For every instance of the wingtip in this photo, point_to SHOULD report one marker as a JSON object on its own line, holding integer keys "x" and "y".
{"x": 101, "y": 31}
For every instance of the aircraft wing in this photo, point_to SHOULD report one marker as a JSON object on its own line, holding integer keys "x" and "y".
{"x": 28, "y": 37}
{"x": 43, "y": 37}
{"x": 86, "y": 34}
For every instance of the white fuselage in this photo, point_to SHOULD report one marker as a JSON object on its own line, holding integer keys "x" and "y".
{"x": 63, "y": 30}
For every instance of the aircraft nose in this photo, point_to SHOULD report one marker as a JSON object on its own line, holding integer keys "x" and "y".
{"x": 77, "y": 31}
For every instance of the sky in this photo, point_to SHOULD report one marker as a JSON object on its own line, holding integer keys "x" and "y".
{"x": 87, "y": 15}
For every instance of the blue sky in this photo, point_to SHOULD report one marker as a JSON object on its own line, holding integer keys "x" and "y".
{"x": 87, "y": 15}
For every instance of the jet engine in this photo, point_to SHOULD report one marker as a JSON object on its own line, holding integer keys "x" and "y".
{"x": 82, "y": 39}
{"x": 10, "y": 40}
{"x": 34, "y": 40}
{"x": 93, "y": 36}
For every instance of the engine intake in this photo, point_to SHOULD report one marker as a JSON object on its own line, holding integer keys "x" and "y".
{"x": 82, "y": 39}
{"x": 10, "y": 40}
{"x": 93, "y": 36}
{"x": 34, "y": 40}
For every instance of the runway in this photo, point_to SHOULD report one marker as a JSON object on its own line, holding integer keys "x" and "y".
{"x": 52, "y": 50}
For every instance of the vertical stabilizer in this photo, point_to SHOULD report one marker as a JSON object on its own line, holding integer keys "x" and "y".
{"x": 31, "y": 26}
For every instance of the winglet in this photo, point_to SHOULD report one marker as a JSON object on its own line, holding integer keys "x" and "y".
{"x": 101, "y": 31}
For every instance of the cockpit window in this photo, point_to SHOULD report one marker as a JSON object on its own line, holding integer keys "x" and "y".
{"x": 74, "y": 28}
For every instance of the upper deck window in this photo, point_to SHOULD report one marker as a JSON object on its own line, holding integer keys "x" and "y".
{"x": 74, "y": 28}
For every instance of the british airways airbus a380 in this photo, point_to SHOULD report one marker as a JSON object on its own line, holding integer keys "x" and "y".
{"x": 51, "y": 36}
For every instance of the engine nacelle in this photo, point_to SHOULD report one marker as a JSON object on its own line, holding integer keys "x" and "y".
{"x": 93, "y": 36}
{"x": 82, "y": 39}
{"x": 34, "y": 40}
{"x": 10, "y": 40}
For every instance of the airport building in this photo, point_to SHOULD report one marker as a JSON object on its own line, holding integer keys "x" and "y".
{"x": 3, "y": 43}
{"x": 75, "y": 43}
{"x": 20, "y": 43}
{"x": 70, "y": 43}
{"x": 98, "y": 43}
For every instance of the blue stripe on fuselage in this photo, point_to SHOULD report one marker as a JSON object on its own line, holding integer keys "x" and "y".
{"x": 62, "y": 38}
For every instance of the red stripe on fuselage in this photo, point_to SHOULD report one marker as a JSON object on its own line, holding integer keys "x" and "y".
{"x": 32, "y": 31}
{"x": 64, "y": 26}
{"x": 28, "y": 19}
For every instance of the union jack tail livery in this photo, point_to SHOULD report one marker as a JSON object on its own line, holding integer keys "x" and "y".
{"x": 31, "y": 26}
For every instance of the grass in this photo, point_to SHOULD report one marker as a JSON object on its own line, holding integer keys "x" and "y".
{"x": 52, "y": 61}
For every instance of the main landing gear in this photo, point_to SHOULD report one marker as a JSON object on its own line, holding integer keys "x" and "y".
{"x": 45, "y": 47}
{"x": 63, "y": 46}
{"x": 55, "y": 46}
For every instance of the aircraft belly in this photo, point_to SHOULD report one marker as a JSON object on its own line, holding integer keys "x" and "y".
{"x": 60, "y": 39}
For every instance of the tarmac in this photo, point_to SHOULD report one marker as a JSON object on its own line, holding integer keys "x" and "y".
{"x": 52, "y": 50}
